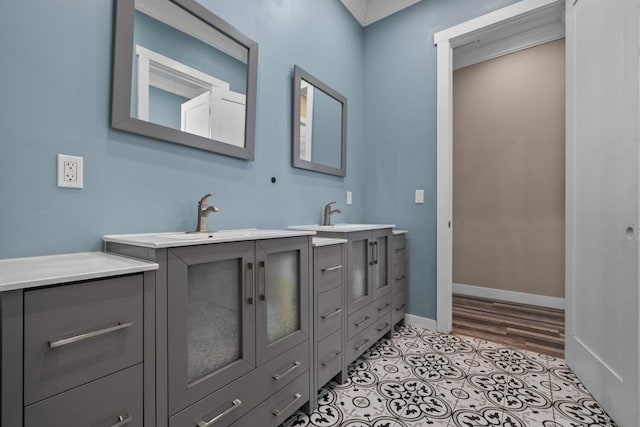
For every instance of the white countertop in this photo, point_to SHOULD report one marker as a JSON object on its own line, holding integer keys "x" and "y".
{"x": 23, "y": 273}
{"x": 341, "y": 228}
{"x": 327, "y": 241}
{"x": 170, "y": 240}
{"x": 396, "y": 231}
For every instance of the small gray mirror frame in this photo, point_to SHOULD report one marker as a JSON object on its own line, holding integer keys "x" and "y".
{"x": 122, "y": 85}
{"x": 298, "y": 75}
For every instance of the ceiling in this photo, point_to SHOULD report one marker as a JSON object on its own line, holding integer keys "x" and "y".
{"x": 369, "y": 11}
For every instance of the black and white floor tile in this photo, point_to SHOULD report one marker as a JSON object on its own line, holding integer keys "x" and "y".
{"x": 422, "y": 378}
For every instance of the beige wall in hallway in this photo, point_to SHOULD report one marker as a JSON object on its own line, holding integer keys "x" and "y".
{"x": 508, "y": 172}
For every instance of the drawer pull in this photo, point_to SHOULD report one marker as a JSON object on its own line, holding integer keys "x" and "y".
{"x": 400, "y": 278}
{"x": 122, "y": 420}
{"x": 361, "y": 322}
{"x": 401, "y": 307}
{"x": 383, "y": 307}
{"x": 385, "y": 326}
{"x": 399, "y": 249}
{"x": 330, "y": 315}
{"x": 330, "y": 359}
{"x": 296, "y": 397}
{"x": 334, "y": 268}
{"x": 277, "y": 377}
{"x": 234, "y": 405}
{"x": 64, "y": 341}
{"x": 363, "y": 345}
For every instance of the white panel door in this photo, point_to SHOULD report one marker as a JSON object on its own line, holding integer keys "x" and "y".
{"x": 228, "y": 111}
{"x": 602, "y": 201}
{"x": 196, "y": 115}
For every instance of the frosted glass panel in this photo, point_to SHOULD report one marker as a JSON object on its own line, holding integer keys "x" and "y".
{"x": 283, "y": 294}
{"x": 214, "y": 317}
{"x": 381, "y": 266}
{"x": 359, "y": 276}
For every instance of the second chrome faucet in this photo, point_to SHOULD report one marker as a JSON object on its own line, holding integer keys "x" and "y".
{"x": 203, "y": 213}
{"x": 326, "y": 218}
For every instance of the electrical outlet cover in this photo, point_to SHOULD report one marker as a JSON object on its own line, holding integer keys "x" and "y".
{"x": 70, "y": 171}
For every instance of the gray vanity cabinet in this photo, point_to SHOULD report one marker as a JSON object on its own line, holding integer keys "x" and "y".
{"x": 211, "y": 316}
{"x": 399, "y": 283}
{"x": 381, "y": 262}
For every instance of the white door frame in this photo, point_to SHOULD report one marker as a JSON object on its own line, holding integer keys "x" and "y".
{"x": 502, "y": 32}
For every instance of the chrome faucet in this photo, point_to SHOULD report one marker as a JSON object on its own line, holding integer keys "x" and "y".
{"x": 203, "y": 214}
{"x": 326, "y": 219}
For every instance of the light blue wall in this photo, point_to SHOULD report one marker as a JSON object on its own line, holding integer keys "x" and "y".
{"x": 55, "y": 98}
{"x": 400, "y": 129}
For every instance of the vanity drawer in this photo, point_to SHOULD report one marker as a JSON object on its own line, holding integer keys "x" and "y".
{"x": 104, "y": 402}
{"x": 244, "y": 394}
{"x": 399, "y": 282}
{"x": 74, "y": 334}
{"x": 360, "y": 343}
{"x": 329, "y": 268}
{"x": 329, "y": 312}
{"x": 329, "y": 360}
{"x": 399, "y": 242}
{"x": 280, "y": 406}
{"x": 360, "y": 320}
{"x": 382, "y": 306}
{"x": 399, "y": 307}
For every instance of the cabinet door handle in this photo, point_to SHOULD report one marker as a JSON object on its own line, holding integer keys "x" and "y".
{"x": 330, "y": 359}
{"x": 399, "y": 249}
{"x": 383, "y": 327}
{"x": 375, "y": 245}
{"x": 278, "y": 377}
{"x": 334, "y": 268}
{"x": 401, "y": 307}
{"x": 253, "y": 284}
{"x": 400, "y": 278}
{"x": 122, "y": 420}
{"x": 263, "y": 284}
{"x": 296, "y": 397}
{"x": 362, "y": 345}
{"x": 382, "y": 307}
{"x": 330, "y": 315}
{"x": 234, "y": 405}
{"x": 361, "y": 322}
{"x": 81, "y": 337}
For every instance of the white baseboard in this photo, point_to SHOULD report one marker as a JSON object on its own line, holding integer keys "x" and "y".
{"x": 511, "y": 296}
{"x": 420, "y": 322}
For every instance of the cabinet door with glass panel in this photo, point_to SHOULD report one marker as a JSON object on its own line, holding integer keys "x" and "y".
{"x": 282, "y": 289}
{"x": 380, "y": 262}
{"x": 359, "y": 252}
{"x": 211, "y": 318}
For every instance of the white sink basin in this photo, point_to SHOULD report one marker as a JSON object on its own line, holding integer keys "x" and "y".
{"x": 341, "y": 228}
{"x": 166, "y": 240}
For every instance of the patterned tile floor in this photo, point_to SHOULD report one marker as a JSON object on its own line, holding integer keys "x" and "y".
{"x": 422, "y": 378}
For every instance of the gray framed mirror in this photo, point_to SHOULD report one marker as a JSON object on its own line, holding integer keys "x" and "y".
{"x": 319, "y": 126}
{"x": 184, "y": 75}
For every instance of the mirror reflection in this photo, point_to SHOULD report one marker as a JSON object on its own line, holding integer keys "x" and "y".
{"x": 319, "y": 126}
{"x": 182, "y": 74}
{"x": 183, "y": 79}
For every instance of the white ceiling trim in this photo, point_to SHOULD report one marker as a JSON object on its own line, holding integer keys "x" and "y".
{"x": 367, "y": 12}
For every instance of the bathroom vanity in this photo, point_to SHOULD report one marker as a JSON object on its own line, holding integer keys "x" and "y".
{"x": 233, "y": 324}
{"x": 399, "y": 283}
{"x": 77, "y": 341}
{"x": 367, "y": 295}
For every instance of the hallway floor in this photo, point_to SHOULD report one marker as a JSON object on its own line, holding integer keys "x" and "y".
{"x": 422, "y": 378}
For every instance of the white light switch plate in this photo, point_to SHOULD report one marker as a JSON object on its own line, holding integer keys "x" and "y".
{"x": 70, "y": 171}
{"x": 349, "y": 198}
{"x": 419, "y": 196}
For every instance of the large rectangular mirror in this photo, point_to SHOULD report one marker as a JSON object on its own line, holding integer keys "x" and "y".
{"x": 319, "y": 126}
{"x": 182, "y": 74}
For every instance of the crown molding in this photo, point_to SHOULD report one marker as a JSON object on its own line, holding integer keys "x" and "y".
{"x": 367, "y": 12}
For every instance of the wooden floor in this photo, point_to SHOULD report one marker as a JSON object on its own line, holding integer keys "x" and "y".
{"x": 523, "y": 326}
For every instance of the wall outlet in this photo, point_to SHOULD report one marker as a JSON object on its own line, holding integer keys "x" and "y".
{"x": 419, "y": 196}
{"x": 70, "y": 171}
{"x": 349, "y": 198}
